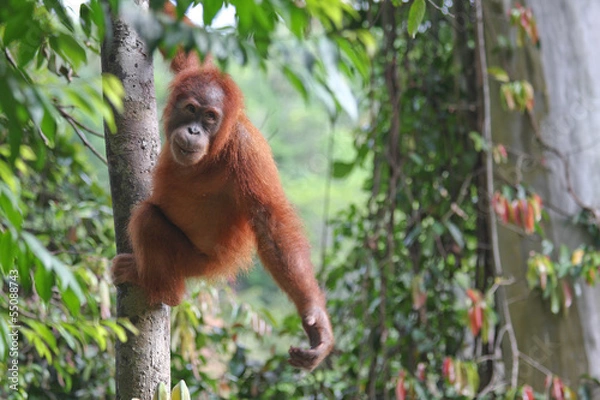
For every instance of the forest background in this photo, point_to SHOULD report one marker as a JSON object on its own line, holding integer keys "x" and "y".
{"x": 441, "y": 153}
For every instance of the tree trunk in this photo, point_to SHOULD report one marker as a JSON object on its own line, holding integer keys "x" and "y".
{"x": 144, "y": 360}
{"x": 563, "y": 72}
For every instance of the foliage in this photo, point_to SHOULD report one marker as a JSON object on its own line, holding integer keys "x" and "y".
{"x": 555, "y": 279}
{"x": 179, "y": 392}
{"x": 410, "y": 285}
{"x": 400, "y": 293}
{"x": 56, "y": 233}
{"x": 523, "y": 19}
{"x": 55, "y": 230}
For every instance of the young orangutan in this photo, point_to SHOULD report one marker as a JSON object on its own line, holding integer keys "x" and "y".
{"x": 216, "y": 196}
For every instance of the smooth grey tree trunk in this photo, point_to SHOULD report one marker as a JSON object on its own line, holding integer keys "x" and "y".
{"x": 144, "y": 360}
{"x": 564, "y": 73}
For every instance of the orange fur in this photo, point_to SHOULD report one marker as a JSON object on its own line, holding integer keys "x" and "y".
{"x": 217, "y": 196}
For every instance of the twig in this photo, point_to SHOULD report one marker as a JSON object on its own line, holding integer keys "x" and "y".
{"x": 84, "y": 140}
{"x": 487, "y": 134}
{"x": 536, "y": 365}
{"x": 13, "y": 63}
{"x": 78, "y": 123}
{"x": 441, "y": 9}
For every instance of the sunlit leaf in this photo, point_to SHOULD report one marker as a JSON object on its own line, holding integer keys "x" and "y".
{"x": 415, "y": 16}
{"x": 9, "y": 205}
{"x": 499, "y": 74}
{"x": 69, "y": 48}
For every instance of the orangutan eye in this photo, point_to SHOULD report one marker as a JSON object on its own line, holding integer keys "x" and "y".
{"x": 190, "y": 108}
{"x": 210, "y": 116}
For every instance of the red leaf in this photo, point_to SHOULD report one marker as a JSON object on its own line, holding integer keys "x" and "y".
{"x": 529, "y": 218}
{"x": 558, "y": 389}
{"x": 400, "y": 389}
{"x": 502, "y": 151}
{"x": 475, "y": 319}
{"x": 474, "y": 295}
{"x": 448, "y": 370}
{"x": 536, "y": 204}
{"x": 499, "y": 206}
{"x": 516, "y": 212}
{"x": 510, "y": 212}
{"x": 528, "y": 393}
{"x": 590, "y": 277}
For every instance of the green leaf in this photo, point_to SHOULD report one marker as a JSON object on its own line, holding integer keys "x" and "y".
{"x": 61, "y": 12}
{"x": 42, "y": 349}
{"x": 355, "y": 54}
{"x": 67, "y": 337}
{"x": 69, "y": 49}
{"x": 44, "y": 333}
{"x": 478, "y": 141}
{"x": 98, "y": 16}
{"x": 43, "y": 283}
{"x": 48, "y": 125}
{"x": 85, "y": 16}
{"x": 342, "y": 169}
{"x": 63, "y": 273}
{"x": 8, "y": 178}
{"x": 210, "y": 9}
{"x": 415, "y": 16}
{"x": 9, "y": 206}
{"x": 16, "y": 27}
{"x": 113, "y": 90}
{"x": 71, "y": 301}
{"x": 499, "y": 74}
{"x": 455, "y": 233}
{"x": 336, "y": 83}
{"x": 98, "y": 334}
{"x": 127, "y": 324}
{"x": 7, "y": 251}
{"x": 298, "y": 20}
{"x": 117, "y": 329}
{"x": 296, "y": 82}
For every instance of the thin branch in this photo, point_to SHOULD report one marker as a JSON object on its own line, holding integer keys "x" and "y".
{"x": 13, "y": 63}
{"x": 536, "y": 365}
{"x": 84, "y": 140}
{"x": 486, "y": 126}
{"x": 446, "y": 12}
{"x": 68, "y": 116}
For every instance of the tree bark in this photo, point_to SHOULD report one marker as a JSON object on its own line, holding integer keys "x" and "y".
{"x": 563, "y": 72}
{"x": 144, "y": 360}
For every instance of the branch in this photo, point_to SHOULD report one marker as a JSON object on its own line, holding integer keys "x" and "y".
{"x": 536, "y": 365}
{"x": 441, "y": 9}
{"x": 13, "y": 64}
{"x": 78, "y": 123}
{"x": 486, "y": 126}
{"x": 75, "y": 125}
